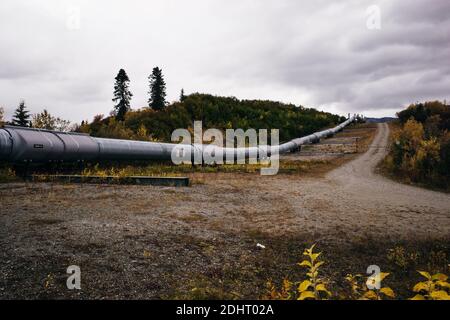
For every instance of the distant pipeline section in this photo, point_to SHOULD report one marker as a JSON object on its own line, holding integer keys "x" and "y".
{"x": 19, "y": 144}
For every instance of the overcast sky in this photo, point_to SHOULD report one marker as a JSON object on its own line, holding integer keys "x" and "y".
{"x": 63, "y": 55}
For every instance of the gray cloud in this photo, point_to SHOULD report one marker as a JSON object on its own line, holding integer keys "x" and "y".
{"x": 315, "y": 53}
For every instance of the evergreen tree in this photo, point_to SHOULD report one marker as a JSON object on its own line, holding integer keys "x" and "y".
{"x": 21, "y": 116}
{"x": 157, "y": 92}
{"x": 182, "y": 96}
{"x": 2, "y": 114}
{"x": 122, "y": 95}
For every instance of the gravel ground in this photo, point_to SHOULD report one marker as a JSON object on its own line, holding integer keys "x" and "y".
{"x": 161, "y": 242}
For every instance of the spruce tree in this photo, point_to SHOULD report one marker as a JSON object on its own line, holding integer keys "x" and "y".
{"x": 122, "y": 95}
{"x": 2, "y": 114}
{"x": 21, "y": 116}
{"x": 182, "y": 96}
{"x": 157, "y": 92}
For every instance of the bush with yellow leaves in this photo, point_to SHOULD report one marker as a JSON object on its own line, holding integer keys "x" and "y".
{"x": 313, "y": 287}
{"x": 435, "y": 287}
{"x": 362, "y": 292}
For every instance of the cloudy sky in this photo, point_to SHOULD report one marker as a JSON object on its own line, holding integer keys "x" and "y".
{"x": 334, "y": 55}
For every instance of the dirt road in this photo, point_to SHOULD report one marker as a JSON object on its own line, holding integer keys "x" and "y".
{"x": 153, "y": 242}
{"x": 373, "y": 204}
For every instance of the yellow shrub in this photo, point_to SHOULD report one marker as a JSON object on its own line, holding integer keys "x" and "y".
{"x": 313, "y": 287}
{"x": 435, "y": 287}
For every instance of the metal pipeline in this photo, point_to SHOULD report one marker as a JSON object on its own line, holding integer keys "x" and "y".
{"x": 19, "y": 144}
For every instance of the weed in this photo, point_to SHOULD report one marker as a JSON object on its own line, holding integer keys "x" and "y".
{"x": 401, "y": 258}
{"x": 313, "y": 287}
{"x": 435, "y": 287}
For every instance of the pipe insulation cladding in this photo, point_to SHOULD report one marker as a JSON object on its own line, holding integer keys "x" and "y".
{"x": 19, "y": 144}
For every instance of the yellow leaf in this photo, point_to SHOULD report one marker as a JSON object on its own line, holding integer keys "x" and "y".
{"x": 388, "y": 292}
{"x": 306, "y": 295}
{"x": 308, "y": 252}
{"x": 443, "y": 284}
{"x": 304, "y": 286}
{"x": 440, "y": 277}
{"x": 321, "y": 287}
{"x": 425, "y": 274}
{"x": 420, "y": 286}
{"x": 305, "y": 263}
{"x": 383, "y": 275}
{"x": 418, "y": 297}
{"x": 440, "y": 295}
{"x": 318, "y": 264}
{"x": 370, "y": 295}
{"x": 314, "y": 256}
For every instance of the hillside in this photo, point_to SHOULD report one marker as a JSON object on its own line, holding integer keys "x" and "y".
{"x": 215, "y": 112}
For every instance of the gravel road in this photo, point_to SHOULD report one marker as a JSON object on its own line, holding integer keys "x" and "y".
{"x": 377, "y": 204}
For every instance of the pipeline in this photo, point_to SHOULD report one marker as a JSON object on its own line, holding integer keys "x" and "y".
{"x": 19, "y": 144}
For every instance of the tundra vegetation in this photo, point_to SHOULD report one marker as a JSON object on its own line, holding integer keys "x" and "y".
{"x": 420, "y": 148}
